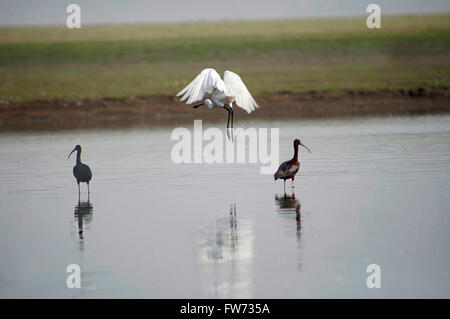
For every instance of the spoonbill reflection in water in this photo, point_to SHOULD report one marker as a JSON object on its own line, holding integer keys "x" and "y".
{"x": 224, "y": 93}
{"x": 226, "y": 255}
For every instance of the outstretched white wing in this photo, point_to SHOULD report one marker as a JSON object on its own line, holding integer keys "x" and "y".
{"x": 238, "y": 90}
{"x": 204, "y": 83}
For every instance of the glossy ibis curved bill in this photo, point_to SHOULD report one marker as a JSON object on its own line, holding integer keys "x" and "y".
{"x": 81, "y": 171}
{"x": 288, "y": 169}
{"x": 224, "y": 93}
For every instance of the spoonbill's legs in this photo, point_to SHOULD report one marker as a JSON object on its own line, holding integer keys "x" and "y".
{"x": 232, "y": 124}
{"x": 230, "y": 116}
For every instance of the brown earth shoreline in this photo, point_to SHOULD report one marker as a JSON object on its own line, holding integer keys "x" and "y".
{"x": 60, "y": 114}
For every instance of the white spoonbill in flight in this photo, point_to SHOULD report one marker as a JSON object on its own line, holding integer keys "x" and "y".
{"x": 223, "y": 92}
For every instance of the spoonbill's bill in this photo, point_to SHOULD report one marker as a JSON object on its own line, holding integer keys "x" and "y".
{"x": 223, "y": 92}
{"x": 81, "y": 171}
{"x": 288, "y": 169}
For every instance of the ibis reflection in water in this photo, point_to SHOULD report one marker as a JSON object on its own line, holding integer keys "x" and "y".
{"x": 289, "y": 169}
{"x": 289, "y": 207}
{"x": 83, "y": 214}
{"x": 81, "y": 171}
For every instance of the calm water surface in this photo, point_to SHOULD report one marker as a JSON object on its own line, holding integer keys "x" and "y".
{"x": 372, "y": 191}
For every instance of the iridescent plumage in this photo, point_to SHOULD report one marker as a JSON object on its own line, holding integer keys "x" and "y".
{"x": 289, "y": 169}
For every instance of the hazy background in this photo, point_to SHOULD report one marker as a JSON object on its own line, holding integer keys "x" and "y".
{"x": 18, "y": 12}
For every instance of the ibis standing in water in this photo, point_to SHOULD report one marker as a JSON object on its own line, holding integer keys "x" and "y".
{"x": 81, "y": 171}
{"x": 223, "y": 93}
{"x": 288, "y": 169}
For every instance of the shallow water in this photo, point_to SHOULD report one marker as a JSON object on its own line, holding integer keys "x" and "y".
{"x": 373, "y": 191}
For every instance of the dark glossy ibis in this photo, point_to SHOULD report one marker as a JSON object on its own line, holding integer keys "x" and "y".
{"x": 81, "y": 171}
{"x": 288, "y": 169}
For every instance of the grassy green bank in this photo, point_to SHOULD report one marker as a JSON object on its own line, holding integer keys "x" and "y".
{"x": 271, "y": 56}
